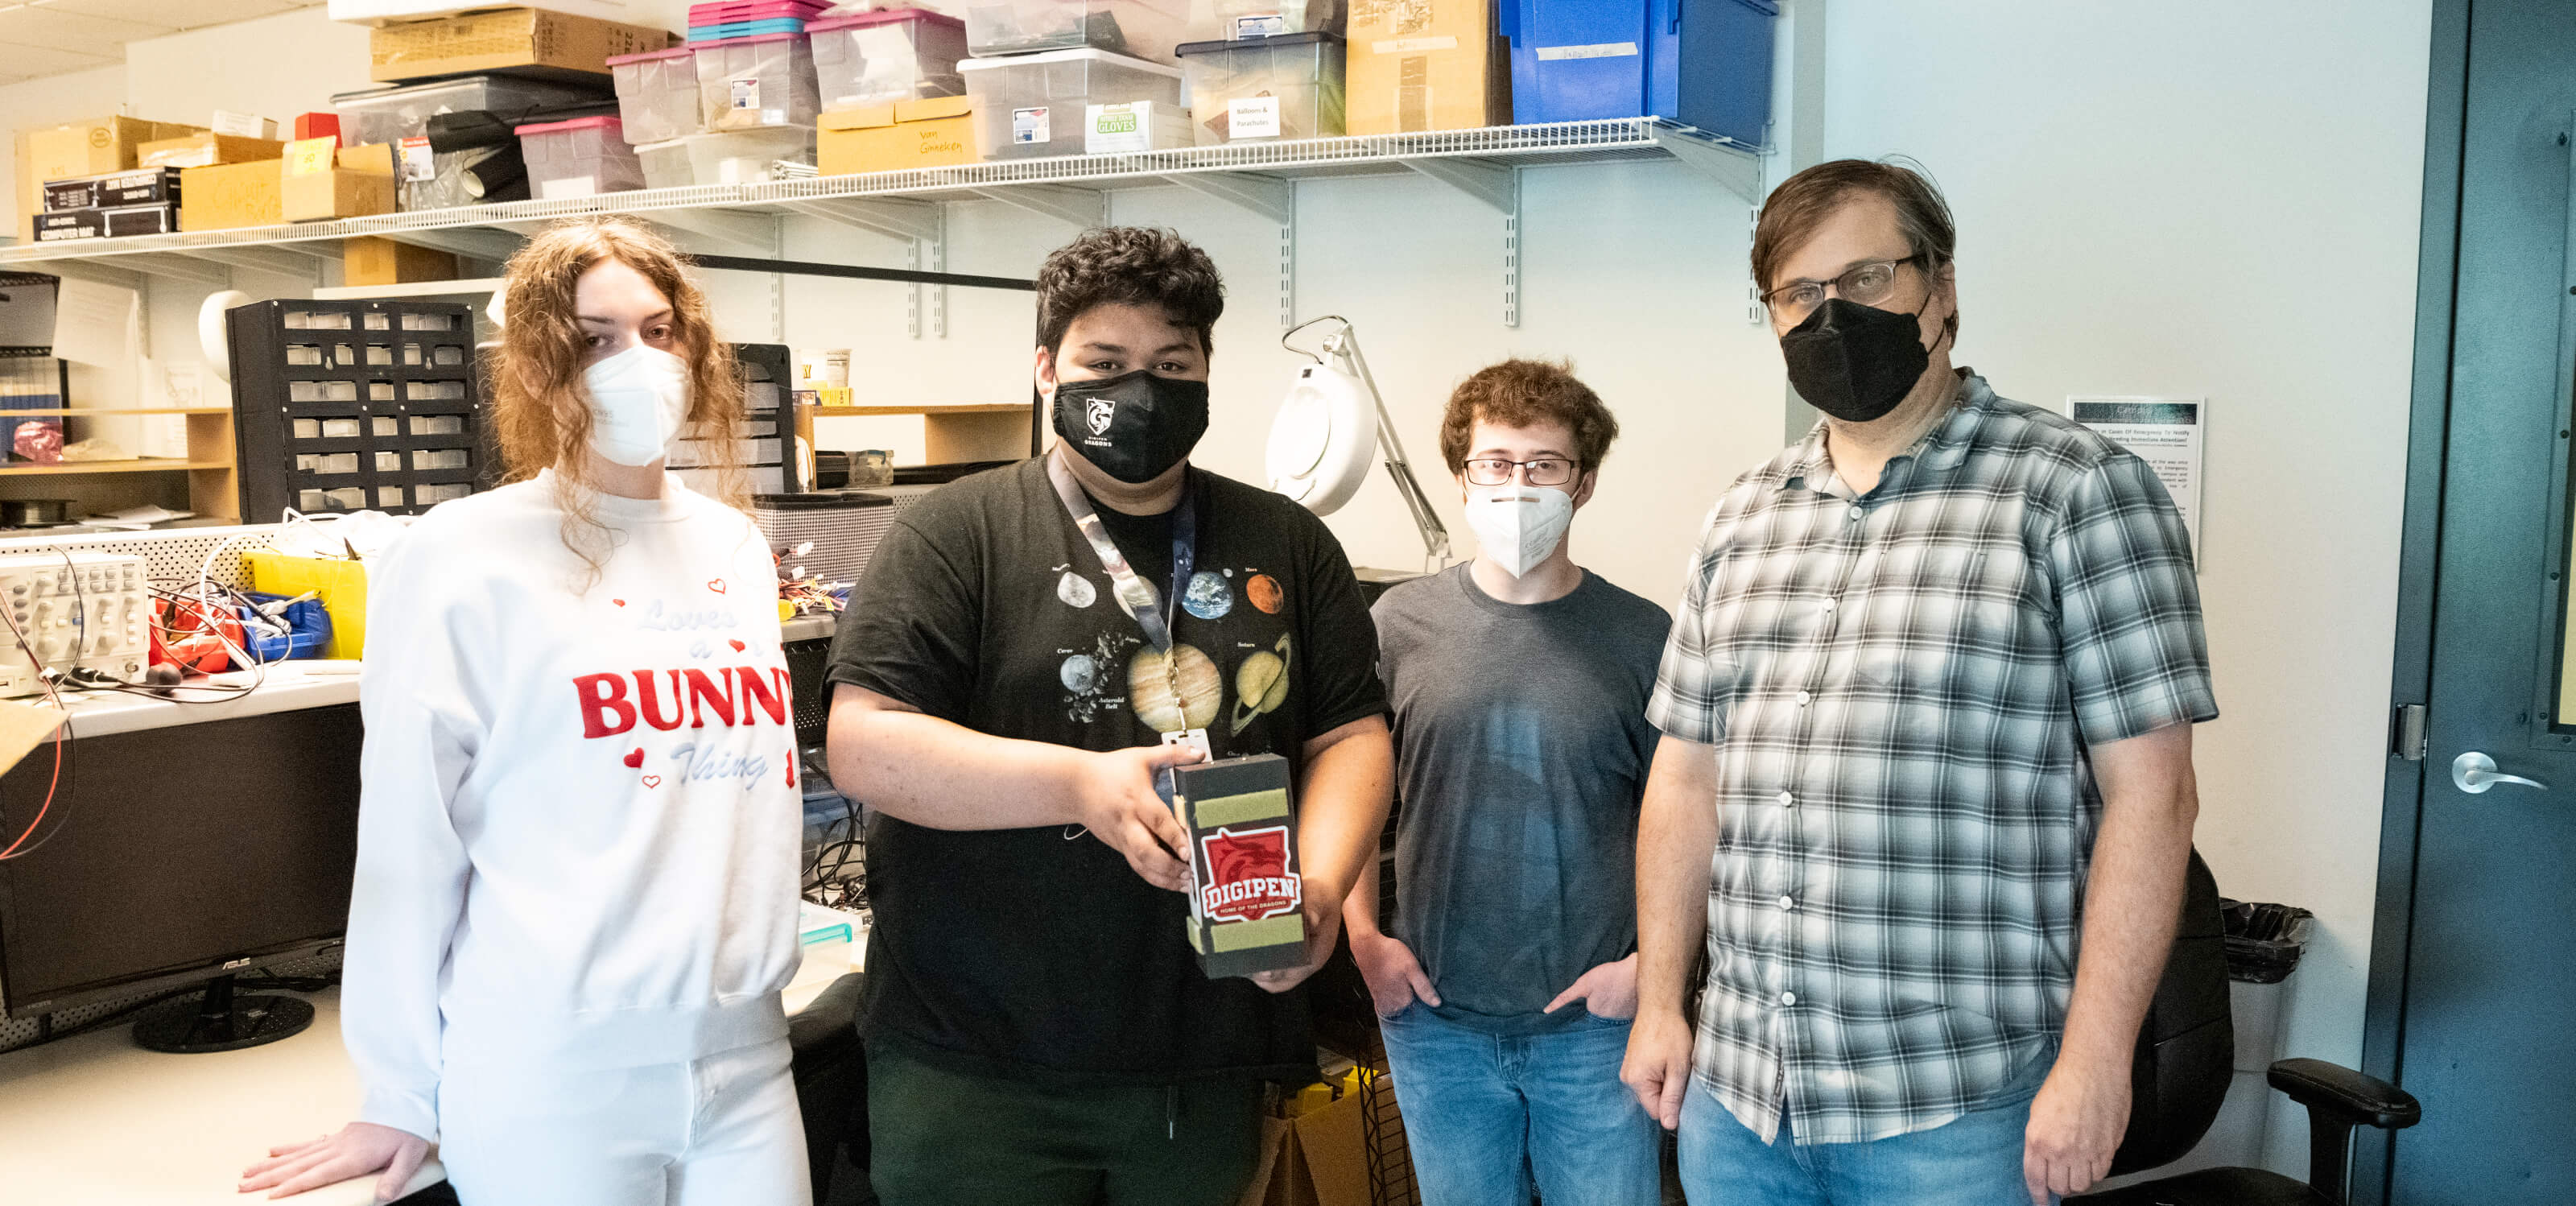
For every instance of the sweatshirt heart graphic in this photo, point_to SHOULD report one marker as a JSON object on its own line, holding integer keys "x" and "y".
{"x": 635, "y": 757}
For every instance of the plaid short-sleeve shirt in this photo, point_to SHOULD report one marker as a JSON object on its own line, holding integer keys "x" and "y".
{"x": 1901, "y": 687}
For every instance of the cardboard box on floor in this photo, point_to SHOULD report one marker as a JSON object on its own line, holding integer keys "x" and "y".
{"x": 228, "y": 195}
{"x": 1316, "y": 1159}
{"x": 1426, "y": 65}
{"x": 316, "y": 185}
{"x": 511, "y": 41}
{"x": 82, "y": 148}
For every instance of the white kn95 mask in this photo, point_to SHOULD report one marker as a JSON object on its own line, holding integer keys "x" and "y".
{"x": 638, "y": 400}
{"x": 1518, "y": 526}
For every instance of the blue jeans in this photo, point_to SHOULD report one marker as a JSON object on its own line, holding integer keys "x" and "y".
{"x": 1484, "y": 1112}
{"x": 1971, "y": 1160}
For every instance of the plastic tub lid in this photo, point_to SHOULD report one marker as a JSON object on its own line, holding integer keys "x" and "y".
{"x": 745, "y": 10}
{"x": 752, "y": 40}
{"x": 578, "y": 123}
{"x": 1074, "y": 55}
{"x": 676, "y": 52}
{"x": 1292, "y": 39}
{"x": 883, "y": 16}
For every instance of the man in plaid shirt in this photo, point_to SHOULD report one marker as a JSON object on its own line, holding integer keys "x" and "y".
{"x": 1936, "y": 667}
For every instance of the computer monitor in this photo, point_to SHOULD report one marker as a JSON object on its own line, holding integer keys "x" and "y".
{"x": 191, "y": 852}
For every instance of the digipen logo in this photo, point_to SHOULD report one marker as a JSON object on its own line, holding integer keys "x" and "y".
{"x": 1248, "y": 875}
{"x": 1098, "y": 414}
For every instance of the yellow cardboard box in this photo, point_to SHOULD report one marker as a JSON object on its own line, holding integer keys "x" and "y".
{"x": 513, "y": 41}
{"x": 206, "y": 149}
{"x": 82, "y": 148}
{"x": 1426, "y": 65}
{"x": 228, "y": 195}
{"x": 313, "y": 187}
{"x": 374, "y": 261}
{"x": 933, "y": 132}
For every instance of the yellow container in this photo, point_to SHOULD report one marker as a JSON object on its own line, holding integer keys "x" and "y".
{"x": 341, "y": 585}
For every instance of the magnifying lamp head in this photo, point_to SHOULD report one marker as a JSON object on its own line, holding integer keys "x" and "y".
{"x": 1324, "y": 439}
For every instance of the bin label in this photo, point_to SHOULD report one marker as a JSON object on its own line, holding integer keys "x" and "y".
{"x": 1598, "y": 50}
{"x": 1264, "y": 25}
{"x": 1412, "y": 45}
{"x": 1030, "y": 127}
{"x": 746, "y": 92}
{"x": 417, "y": 162}
{"x": 1252, "y": 117}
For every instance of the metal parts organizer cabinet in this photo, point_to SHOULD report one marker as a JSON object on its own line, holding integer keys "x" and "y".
{"x": 356, "y": 405}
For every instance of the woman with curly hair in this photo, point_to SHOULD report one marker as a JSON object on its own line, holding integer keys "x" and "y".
{"x": 576, "y": 881}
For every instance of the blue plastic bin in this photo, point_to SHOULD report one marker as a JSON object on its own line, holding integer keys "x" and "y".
{"x": 1704, "y": 63}
{"x": 308, "y": 629}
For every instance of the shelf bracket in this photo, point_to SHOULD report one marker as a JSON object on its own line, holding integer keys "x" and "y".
{"x": 175, "y": 268}
{"x": 1738, "y": 171}
{"x": 1083, "y": 207}
{"x": 756, "y": 234}
{"x": 1265, "y": 196}
{"x": 895, "y": 219}
{"x": 937, "y": 245}
{"x": 275, "y": 260}
{"x": 496, "y": 246}
{"x": 1491, "y": 183}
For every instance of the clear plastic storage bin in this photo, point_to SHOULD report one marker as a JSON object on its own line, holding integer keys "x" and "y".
{"x": 393, "y": 114}
{"x": 1142, "y": 29}
{"x": 657, "y": 94}
{"x": 724, "y": 156}
{"x": 583, "y": 157}
{"x": 1289, "y": 86}
{"x": 879, "y": 58}
{"x": 744, "y": 83}
{"x": 1033, "y": 105}
{"x": 1270, "y": 18}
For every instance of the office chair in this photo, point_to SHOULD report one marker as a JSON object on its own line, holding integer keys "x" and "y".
{"x": 2186, "y": 1058}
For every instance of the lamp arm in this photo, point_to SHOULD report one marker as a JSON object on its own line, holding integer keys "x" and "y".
{"x": 1435, "y": 534}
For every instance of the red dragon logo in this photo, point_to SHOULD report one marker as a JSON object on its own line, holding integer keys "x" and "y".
{"x": 1247, "y": 875}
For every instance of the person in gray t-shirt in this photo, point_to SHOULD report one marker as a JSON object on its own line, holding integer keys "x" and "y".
{"x": 1506, "y": 979}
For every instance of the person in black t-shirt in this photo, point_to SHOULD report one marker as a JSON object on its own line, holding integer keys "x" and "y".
{"x": 1038, "y": 1028}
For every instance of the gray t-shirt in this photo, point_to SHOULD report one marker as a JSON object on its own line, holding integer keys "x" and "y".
{"x": 1521, "y": 753}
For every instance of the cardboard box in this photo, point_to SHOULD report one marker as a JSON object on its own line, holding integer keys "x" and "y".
{"x": 105, "y": 223}
{"x": 383, "y": 12}
{"x": 244, "y": 125}
{"x": 1426, "y": 65}
{"x": 206, "y": 149}
{"x": 359, "y": 183}
{"x": 142, "y": 186}
{"x": 1247, "y": 900}
{"x": 511, "y": 41}
{"x": 85, "y": 148}
{"x": 933, "y": 132}
{"x": 374, "y": 261}
{"x": 1320, "y": 1156}
{"x": 229, "y": 195}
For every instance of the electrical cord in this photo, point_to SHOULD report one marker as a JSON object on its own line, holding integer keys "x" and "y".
{"x": 62, "y": 742}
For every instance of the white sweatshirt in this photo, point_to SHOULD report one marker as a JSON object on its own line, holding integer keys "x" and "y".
{"x": 578, "y": 827}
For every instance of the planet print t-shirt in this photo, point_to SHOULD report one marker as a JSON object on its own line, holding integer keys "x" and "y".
{"x": 1038, "y": 953}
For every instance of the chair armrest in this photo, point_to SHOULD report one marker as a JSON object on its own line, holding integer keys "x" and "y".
{"x": 2346, "y": 1094}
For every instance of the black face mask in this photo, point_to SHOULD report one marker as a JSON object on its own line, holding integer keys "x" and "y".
{"x": 1133, "y": 426}
{"x": 1855, "y": 362}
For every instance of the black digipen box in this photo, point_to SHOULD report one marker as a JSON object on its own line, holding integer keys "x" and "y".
{"x": 107, "y": 223}
{"x": 1247, "y": 898}
{"x": 115, "y": 190}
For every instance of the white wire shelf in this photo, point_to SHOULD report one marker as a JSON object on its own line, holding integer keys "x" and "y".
{"x": 1063, "y": 186}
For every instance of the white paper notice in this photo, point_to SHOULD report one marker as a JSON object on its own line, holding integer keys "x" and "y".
{"x": 2166, "y": 434}
{"x": 94, "y": 323}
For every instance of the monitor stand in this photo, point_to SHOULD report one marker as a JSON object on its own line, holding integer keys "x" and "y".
{"x": 220, "y": 1021}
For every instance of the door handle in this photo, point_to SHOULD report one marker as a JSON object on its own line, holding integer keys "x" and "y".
{"x": 2474, "y": 773}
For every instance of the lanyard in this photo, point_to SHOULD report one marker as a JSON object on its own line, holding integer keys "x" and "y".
{"x": 1135, "y": 592}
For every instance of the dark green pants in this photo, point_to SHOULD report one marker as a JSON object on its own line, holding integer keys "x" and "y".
{"x": 942, "y": 1138}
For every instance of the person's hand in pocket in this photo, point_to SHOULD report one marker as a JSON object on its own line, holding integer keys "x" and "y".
{"x": 1607, "y": 991}
{"x": 1395, "y": 978}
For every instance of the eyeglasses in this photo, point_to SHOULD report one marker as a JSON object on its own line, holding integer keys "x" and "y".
{"x": 1543, "y": 471}
{"x": 1865, "y": 284}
